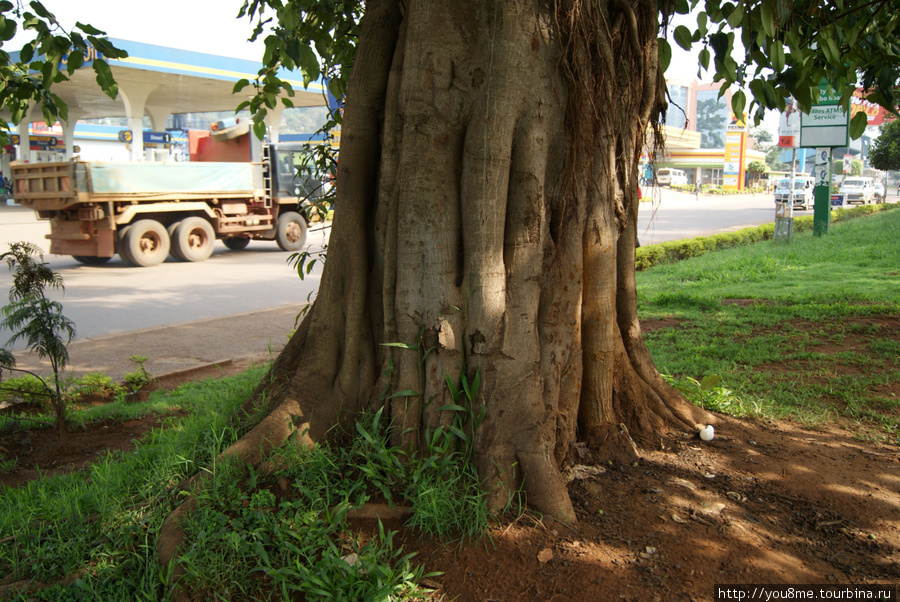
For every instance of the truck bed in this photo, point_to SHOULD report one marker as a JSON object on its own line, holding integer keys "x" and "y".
{"x": 54, "y": 186}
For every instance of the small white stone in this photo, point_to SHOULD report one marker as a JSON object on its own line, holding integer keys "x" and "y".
{"x": 708, "y": 433}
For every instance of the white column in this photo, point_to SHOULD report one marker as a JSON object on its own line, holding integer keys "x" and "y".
{"x": 273, "y": 121}
{"x": 158, "y": 117}
{"x": 135, "y": 96}
{"x": 69, "y": 131}
{"x": 23, "y": 152}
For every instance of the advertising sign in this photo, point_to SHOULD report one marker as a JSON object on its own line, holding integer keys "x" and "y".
{"x": 789, "y": 127}
{"x": 875, "y": 114}
{"x": 826, "y": 124}
{"x": 735, "y": 153}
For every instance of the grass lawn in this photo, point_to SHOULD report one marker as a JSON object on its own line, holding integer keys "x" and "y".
{"x": 809, "y": 329}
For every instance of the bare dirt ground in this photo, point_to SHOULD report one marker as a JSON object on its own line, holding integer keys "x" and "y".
{"x": 763, "y": 502}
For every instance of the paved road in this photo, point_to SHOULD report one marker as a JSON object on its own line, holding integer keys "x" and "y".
{"x": 676, "y": 215}
{"x": 116, "y": 297}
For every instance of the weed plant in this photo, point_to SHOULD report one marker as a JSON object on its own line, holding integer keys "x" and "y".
{"x": 299, "y": 538}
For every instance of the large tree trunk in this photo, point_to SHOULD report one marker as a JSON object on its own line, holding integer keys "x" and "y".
{"x": 487, "y": 199}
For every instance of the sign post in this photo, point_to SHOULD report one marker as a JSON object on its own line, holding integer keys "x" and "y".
{"x": 788, "y": 136}
{"x": 825, "y": 128}
{"x": 822, "y": 192}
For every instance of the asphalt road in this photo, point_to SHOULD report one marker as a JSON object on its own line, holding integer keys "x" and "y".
{"x": 676, "y": 215}
{"x": 115, "y": 297}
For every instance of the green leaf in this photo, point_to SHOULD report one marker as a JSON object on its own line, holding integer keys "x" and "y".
{"x": 41, "y": 11}
{"x": 451, "y": 386}
{"x": 259, "y": 129}
{"x": 766, "y": 18}
{"x": 461, "y": 435}
{"x": 309, "y": 65}
{"x": 832, "y": 49}
{"x": 8, "y": 29}
{"x": 452, "y": 407}
{"x": 106, "y": 48}
{"x": 74, "y": 61}
{"x": 665, "y": 54}
{"x": 404, "y": 393}
{"x": 105, "y": 78}
{"x": 683, "y": 37}
{"x": 27, "y": 52}
{"x": 89, "y": 29}
{"x": 702, "y": 22}
{"x": 736, "y": 16}
{"x": 858, "y": 125}
{"x": 240, "y": 85}
{"x": 704, "y": 58}
{"x": 776, "y": 55}
{"x": 710, "y": 381}
{"x": 738, "y": 102}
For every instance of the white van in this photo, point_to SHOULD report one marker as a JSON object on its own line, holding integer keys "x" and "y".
{"x": 858, "y": 190}
{"x": 802, "y": 195}
{"x": 670, "y": 177}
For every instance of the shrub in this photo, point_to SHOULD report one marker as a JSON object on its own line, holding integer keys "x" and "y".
{"x": 26, "y": 389}
{"x": 648, "y": 256}
{"x": 94, "y": 384}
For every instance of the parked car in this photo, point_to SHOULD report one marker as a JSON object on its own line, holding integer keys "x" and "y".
{"x": 858, "y": 190}
{"x": 801, "y": 195}
{"x": 671, "y": 177}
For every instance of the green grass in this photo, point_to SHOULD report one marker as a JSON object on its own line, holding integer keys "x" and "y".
{"x": 795, "y": 298}
{"x": 251, "y": 537}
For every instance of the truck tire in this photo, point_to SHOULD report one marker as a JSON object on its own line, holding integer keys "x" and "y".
{"x": 145, "y": 243}
{"x": 236, "y": 244}
{"x": 90, "y": 260}
{"x": 193, "y": 239}
{"x": 291, "y": 231}
{"x": 173, "y": 251}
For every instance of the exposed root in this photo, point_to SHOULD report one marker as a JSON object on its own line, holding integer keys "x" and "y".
{"x": 28, "y": 586}
{"x": 253, "y": 448}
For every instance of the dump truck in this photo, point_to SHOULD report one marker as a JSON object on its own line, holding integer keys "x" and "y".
{"x": 145, "y": 211}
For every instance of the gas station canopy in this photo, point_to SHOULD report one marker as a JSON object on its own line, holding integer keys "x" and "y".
{"x": 158, "y": 81}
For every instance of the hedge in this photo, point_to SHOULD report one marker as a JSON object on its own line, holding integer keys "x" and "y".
{"x": 676, "y": 250}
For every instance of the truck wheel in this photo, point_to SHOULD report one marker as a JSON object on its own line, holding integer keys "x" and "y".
{"x": 173, "y": 248}
{"x": 90, "y": 260}
{"x": 193, "y": 239}
{"x": 291, "y": 232}
{"x": 145, "y": 244}
{"x": 236, "y": 244}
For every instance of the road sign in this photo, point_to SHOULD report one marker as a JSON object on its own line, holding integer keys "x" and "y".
{"x": 826, "y": 124}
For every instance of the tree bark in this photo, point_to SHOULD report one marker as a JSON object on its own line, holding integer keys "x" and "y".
{"x": 486, "y": 209}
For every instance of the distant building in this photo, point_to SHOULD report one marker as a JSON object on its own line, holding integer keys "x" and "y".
{"x": 697, "y": 122}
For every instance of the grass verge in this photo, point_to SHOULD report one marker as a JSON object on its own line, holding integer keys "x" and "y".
{"x": 808, "y": 329}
